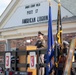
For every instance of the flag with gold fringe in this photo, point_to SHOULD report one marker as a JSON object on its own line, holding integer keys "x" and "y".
{"x": 59, "y": 25}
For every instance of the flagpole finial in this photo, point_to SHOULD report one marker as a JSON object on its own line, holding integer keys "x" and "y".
{"x": 59, "y": 1}
{"x": 59, "y": 4}
{"x": 49, "y": 2}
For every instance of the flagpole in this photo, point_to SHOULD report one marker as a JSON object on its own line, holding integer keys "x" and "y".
{"x": 49, "y": 1}
{"x": 59, "y": 1}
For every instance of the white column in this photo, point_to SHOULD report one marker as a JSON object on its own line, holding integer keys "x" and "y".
{"x": 8, "y": 45}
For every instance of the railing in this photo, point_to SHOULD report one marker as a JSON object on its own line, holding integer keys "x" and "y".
{"x": 19, "y": 53}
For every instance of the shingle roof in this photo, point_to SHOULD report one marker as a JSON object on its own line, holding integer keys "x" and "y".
{"x": 70, "y": 5}
{"x": 67, "y": 19}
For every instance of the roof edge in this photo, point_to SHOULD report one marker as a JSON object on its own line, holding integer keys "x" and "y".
{"x": 8, "y": 11}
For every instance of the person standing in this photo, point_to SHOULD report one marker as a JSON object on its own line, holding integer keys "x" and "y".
{"x": 65, "y": 48}
{"x": 41, "y": 44}
{"x": 41, "y": 41}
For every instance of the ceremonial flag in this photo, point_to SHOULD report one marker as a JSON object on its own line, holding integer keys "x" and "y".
{"x": 59, "y": 25}
{"x": 50, "y": 50}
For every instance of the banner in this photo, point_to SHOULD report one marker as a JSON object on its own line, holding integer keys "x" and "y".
{"x": 59, "y": 25}
{"x": 50, "y": 50}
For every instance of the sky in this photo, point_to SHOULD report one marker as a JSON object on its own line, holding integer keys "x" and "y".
{"x": 3, "y": 5}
